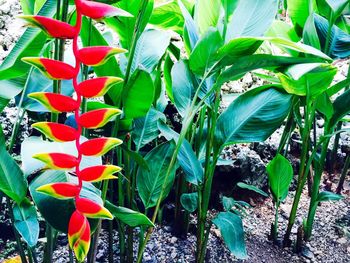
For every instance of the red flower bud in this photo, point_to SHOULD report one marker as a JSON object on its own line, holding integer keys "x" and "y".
{"x": 55, "y": 102}
{"x": 97, "y": 87}
{"x": 98, "y": 11}
{"x": 97, "y": 118}
{"x": 95, "y": 56}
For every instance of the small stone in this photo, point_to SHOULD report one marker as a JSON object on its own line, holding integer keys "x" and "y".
{"x": 342, "y": 240}
{"x": 173, "y": 255}
{"x": 173, "y": 240}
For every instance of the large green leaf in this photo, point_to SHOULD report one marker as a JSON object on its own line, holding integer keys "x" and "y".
{"x": 341, "y": 107}
{"x": 253, "y": 116}
{"x": 229, "y": 6}
{"x": 280, "y": 173}
{"x": 146, "y": 128}
{"x": 251, "y": 18}
{"x": 201, "y": 57}
{"x": 55, "y": 211}
{"x": 244, "y": 64}
{"x": 314, "y": 78}
{"x": 186, "y": 157}
{"x": 168, "y": 16}
{"x": 10, "y": 88}
{"x": 12, "y": 180}
{"x": 310, "y": 35}
{"x": 206, "y": 14}
{"x": 231, "y": 229}
{"x": 149, "y": 50}
{"x": 298, "y": 11}
{"x": 28, "y": 6}
{"x": 139, "y": 95}
{"x": 190, "y": 35}
{"x": 29, "y": 45}
{"x": 331, "y": 9}
{"x": 127, "y": 216}
{"x": 125, "y": 26}
{"x": 26, "y": 222}
{"x": 33, "y": 145}
{"x": 339, "y": 40}
{"x": 150, "y": 181}
{"x": 182, "y": 86}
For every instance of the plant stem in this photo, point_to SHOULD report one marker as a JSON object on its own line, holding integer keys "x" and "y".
{"x": 275, "y": 226}
{"x": 343, "y": 174}
{"x": 309, "y": 116}
{"x": 18, "y": 238}
{"x": 50, "y": 236}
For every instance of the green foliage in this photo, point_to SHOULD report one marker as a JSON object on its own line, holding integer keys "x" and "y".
{"x": 231, "y": 229}
{"x": 26, "y": 222}
{"x": 150, "y": 181}
{"x": 280, "y": 173}
{"x": 189, "y": 201}
{"x": 252, "y": 188}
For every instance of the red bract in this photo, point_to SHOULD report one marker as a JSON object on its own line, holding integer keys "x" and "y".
{"x": 97, "y": 87}
{"x": 79, "y": 235}
{"x": 55, "y": 102}
{"x": 57, "y": 132}
{"x": 99, "y": 146}
{"x": 51, "y": 27}
{"x": 60, "y": 190}
{"x": 98, "y": 11}
{"x": 99, "y": 173}
{"x": 52, "y": 69}
{"x": 95, "y": 56}
{"x": 57, "y": 161}
{"x": 97, "y": 118}
{"x": 91, "y": 209}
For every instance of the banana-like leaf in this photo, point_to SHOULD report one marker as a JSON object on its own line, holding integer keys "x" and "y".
{"x": 298, "y": 11}
{"x": 206, "y": 14}
{"x": 150, "y": 182}
{"x": 253, "y": 116}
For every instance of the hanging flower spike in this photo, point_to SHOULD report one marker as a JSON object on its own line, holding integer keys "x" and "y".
{"x": 97, "y": 87}
{"x": 97, "y": 118}
{"x": 98, "y": 11}
{"x": 91, "y": 209}
{"x": 99, "y": 173}
{"x": 52, "y": 27}
{"x": 53, "y": 69}
{"x": 55, "y": 102}
{"x": 96, "y": 56}
{"x": 99, "y": 146}
{"x": 60, "y": 190}
{"x": 79, "y": 235}
{"x": 57, "y": 161}
{"x": 56, "y": 132}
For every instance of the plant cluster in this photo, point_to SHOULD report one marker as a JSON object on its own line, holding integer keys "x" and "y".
{"x": 160, "y": 103}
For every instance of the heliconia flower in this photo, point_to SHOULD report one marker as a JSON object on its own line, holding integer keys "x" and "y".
{"x": 97, "y": 87}
{"x": 98, "y": 146}
{"x": 57, "y": 161}
{"x": 91, "y": 209}
{"x": 53, "y": 69}
{"x": 55, "y": 102}
{"x": 60, "y": 190}
{"x": 52, "y": 27}
{"x": 56, "y": 131}
{"x": 98, "y": 55}
{"x": 98, "y": 11}
{"x": 99, "y": 173}
{"x": 97, "y": 118}
{"x": 79, "y": 235}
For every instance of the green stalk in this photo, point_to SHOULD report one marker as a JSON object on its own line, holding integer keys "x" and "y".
{"x": 275, "y": 226}
{"x": 315, "y": 188}
{"x": 343, "y": 174}
{"x": 18, "y": 238}
{"x": 208, "y": 178}
{"x": 187, "y": 121}
{"x": 51, "y": 236}
{"x": 121, "y": 225}
{"x": 309, "y": 116}
{"x": 56, "y": 83}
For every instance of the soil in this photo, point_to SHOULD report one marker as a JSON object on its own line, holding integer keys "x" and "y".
{"x": 331, "y": 234}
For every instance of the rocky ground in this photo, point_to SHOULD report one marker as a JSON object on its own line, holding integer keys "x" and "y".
{"x": 330, "y": 242}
